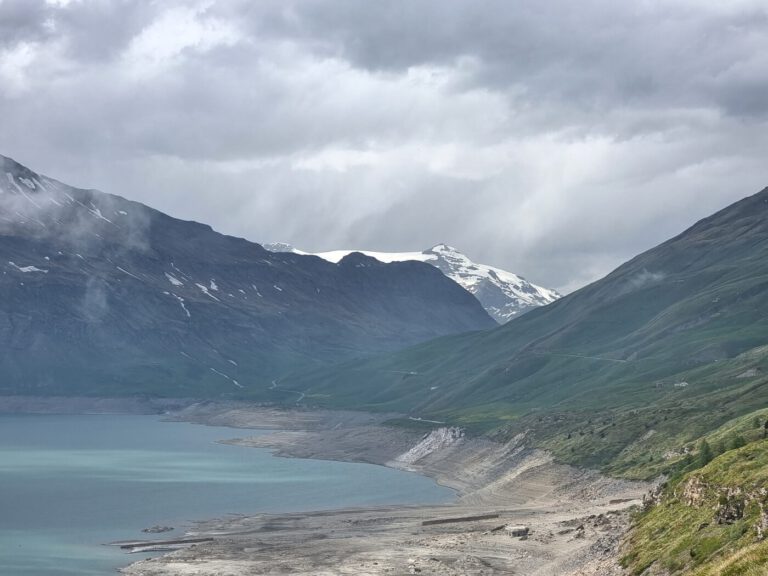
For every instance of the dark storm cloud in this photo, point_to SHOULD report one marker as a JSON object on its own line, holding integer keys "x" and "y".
{"x": 22, "y": 20}
{"x": 550, "y": 138}
{"x": 99, "y": 30}
{"x": 593, "y": 54}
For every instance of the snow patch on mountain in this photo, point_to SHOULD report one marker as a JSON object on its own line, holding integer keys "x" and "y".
{"x": 204, "y": 290}
{"x": 28, "y": 268}
{"x": 173, "y": 280}
{"x": 503, "y": 294}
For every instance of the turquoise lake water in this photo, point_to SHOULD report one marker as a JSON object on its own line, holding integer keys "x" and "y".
{"x": 69, "y": 484}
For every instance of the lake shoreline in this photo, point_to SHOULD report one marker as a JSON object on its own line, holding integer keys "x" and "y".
{"x": 576, "y": 518}
{"x": 80, "y": 405}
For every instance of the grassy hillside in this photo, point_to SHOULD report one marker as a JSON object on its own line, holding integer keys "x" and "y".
{"x": 711, "y": 521}
{"x": 659, "y": 352}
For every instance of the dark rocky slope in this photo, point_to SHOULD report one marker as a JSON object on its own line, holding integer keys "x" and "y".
{"x": 101, "y": 295}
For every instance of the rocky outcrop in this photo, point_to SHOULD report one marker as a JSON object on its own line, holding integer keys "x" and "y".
{"x": 731, "y": 502}
{"x": 654, "y": 496}
{"x": 762, "y": 523}
{"x": 434, "y": 441}
{"x": 694, "y": 492}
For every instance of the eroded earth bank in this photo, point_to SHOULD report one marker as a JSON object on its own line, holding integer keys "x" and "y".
{"x": 516, "y": 512}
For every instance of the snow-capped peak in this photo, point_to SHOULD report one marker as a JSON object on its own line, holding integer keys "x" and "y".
{"x": 503, "y": 294}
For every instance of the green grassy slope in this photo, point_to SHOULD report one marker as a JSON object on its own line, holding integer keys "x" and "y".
{"x": 666, "y": 346}
{"x": 711, "y": 521}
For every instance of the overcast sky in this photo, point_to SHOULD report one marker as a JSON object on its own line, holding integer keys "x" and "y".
{"x": 555, "y": 139}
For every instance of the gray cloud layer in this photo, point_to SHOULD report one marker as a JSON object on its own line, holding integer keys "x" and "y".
{"x": 552, "y": 138}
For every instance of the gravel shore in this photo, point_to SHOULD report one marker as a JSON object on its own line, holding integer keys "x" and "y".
{"x": 575, "y": 517}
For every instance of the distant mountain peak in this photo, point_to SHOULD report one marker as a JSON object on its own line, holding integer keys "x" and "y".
{"x": 504, "y": 295}
{"x": 102, "y": 295}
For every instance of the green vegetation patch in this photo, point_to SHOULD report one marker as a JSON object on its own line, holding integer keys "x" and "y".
{"x": 708, "y": 521}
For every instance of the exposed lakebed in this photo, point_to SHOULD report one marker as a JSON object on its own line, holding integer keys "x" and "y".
{"x": 69, "y": 484}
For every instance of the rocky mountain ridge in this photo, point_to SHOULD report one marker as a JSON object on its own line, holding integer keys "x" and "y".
{"x": 504, "y": 295}
{"x": 102, "y": 295}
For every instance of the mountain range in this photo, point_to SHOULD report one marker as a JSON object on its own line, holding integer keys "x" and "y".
{"x": 504, "y": 295}
{"x": 102, "y": 295}
{"x": 670, "y": 344}
{"x": 658, "y": 370}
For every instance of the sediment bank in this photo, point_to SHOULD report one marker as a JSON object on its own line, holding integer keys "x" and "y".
{"x": 575, "y": 518}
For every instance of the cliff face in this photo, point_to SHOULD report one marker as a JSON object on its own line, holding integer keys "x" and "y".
{"x": 729, "y": 504}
